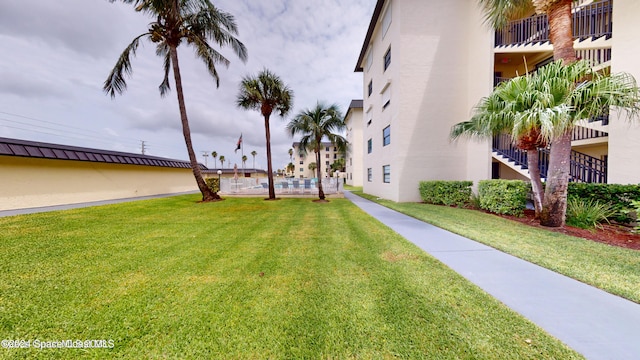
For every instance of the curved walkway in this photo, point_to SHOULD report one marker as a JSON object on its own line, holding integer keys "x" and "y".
{"x": 593, "y": 322}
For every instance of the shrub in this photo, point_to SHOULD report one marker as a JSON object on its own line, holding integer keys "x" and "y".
{"x": 503, "y": 196}
{"x": 213, "y": 184}
{"x": 619, "y": 197}
{"x": 587, "y": 213}
{"x": 440, "y": 192}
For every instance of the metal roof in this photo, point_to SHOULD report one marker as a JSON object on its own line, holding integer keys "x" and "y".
{"x": 32, "y": 149}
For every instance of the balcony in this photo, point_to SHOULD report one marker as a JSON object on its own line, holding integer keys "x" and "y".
{"x": 589, "y": 21}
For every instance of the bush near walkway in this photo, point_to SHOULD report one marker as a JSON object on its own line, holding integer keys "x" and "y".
{"x": 507, "y": 197}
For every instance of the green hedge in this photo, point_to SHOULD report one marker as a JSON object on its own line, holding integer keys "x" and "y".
{"x": 440, "y": 192}
{"x": 503, "y": 196}
{"x": 213, "y": 184}
{"x": 619, "y": 197}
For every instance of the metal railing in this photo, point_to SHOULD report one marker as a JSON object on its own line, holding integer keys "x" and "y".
{"x": 583, "y": 168}
{"x": 593, "y": 20}
{"x": 584, "y": 133}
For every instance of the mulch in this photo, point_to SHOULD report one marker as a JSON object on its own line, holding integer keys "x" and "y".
{"x": 611, "y": 234}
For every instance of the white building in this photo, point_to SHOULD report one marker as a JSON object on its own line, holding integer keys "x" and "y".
{"x": 354, "y": 175}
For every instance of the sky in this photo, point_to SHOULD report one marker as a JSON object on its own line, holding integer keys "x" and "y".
{"x": 56, "y": 56}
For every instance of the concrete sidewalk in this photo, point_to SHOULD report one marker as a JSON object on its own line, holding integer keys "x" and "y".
{"x": 4, "y": 213}
{"x": 593, "y": 322}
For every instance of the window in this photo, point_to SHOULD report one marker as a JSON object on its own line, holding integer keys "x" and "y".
{"x": 369, "y": 58}
{"x": 335, "y": 148}
{"x": 350, "y": 161}
{"x": 386, "y": 136}
{"x": 301, "y": 169}
{"x": 335, "y": 156}
{"x": 327, "y": 163}
{"x": 387, "y": 59}
{"x": 326, "y": 149}
{"x": 370, "y": 88}
{"x": 369, "y": 146}
{"x": 369, "y": 116}
{"x": 386, "y": 21}
{"x": 326, "y": 156}
{"x": 301, "y": 162}
{"x": 369, "y": 175}
{"x": 386, "y": 173}
{"x": 386, "y": 96}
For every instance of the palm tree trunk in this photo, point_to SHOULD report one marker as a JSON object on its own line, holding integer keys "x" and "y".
{"x": 207, "y": 193}
{"x": 560, "y": 31}
{"x": 536, "y": 181}
{"x": 555, "y": 196}
{"x": 554, "y": 206}
{"x": 272, "y": 189}
{"x": 319, "y": 175}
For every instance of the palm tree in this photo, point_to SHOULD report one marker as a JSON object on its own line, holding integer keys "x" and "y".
{"x": 266, "y": 92}
{"x": 192, "y": 22}
{"x": 498, "y": 13}
{"x": 215, "y": 157}
{"x": 291, "y": 168}
{"x": 312, "y": 166}
{"x": 244, "y": 160}
{"x": 545, "y": 106}
{"x": 290, "y": 154}
{"x": 254, "y": 153}
{"x": 506, "y": 111}
{"x": 314, "y": 125}
{"x": 222, "y": 159}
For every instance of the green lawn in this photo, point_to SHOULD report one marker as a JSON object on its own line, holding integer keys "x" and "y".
{"x": 244, "y": 278}
{"x": 613, "y": 269}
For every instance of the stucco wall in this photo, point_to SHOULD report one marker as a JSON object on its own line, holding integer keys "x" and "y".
{"x": 32, "y": 182}
{"x": 624, "y": 136}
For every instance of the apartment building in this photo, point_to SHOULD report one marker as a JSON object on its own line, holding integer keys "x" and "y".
{"x": 425, "y": 64}
{"x": 354, "y": 175}
{"x": 301, "y": 160}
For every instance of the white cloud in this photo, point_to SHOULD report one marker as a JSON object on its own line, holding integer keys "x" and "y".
{"x": 56, "y": 56}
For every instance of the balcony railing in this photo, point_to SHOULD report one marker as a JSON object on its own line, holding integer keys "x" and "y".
{"x": 593, "y": 20}
{"x": 583, "y": 168}
{"x": 584, "y": 133}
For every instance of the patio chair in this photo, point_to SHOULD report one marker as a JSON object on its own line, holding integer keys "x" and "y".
{"x": 307, "y": 185}
{"x": 265, "y": 186}
{"x": 296, "y": 186}
{"x": 285, "y": 186}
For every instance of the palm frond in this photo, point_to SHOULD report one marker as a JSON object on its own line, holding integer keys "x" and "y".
{"x": 116, "y": 81}
{"x": 498, "y": 13}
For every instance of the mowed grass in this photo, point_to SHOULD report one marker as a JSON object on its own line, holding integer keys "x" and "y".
{"x": 613, "y": 269}
{"x": 244, "y": 279}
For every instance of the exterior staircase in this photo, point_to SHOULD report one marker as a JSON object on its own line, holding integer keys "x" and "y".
{"x": 583, "y": 168}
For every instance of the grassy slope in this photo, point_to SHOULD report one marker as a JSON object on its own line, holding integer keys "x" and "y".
{"x": 613, "y": 269}
{"x": 243, "y": 278}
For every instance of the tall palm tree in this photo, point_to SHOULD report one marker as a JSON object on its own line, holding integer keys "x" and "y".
{"x": 266, "y": 92}
{"x": 254, "y": 153}
{"x": 312, "y": 166}
{"x": 315, "y": 124}
{"x": 290, "y": 154}
{"x": 222, "y": 160}
{"x": 545, "y": 106}
{"x": 291, "y": 168}
{"x": 191, "y": 22}
{"x": 244, "y": 160}
{"x": 215, "y": 158}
